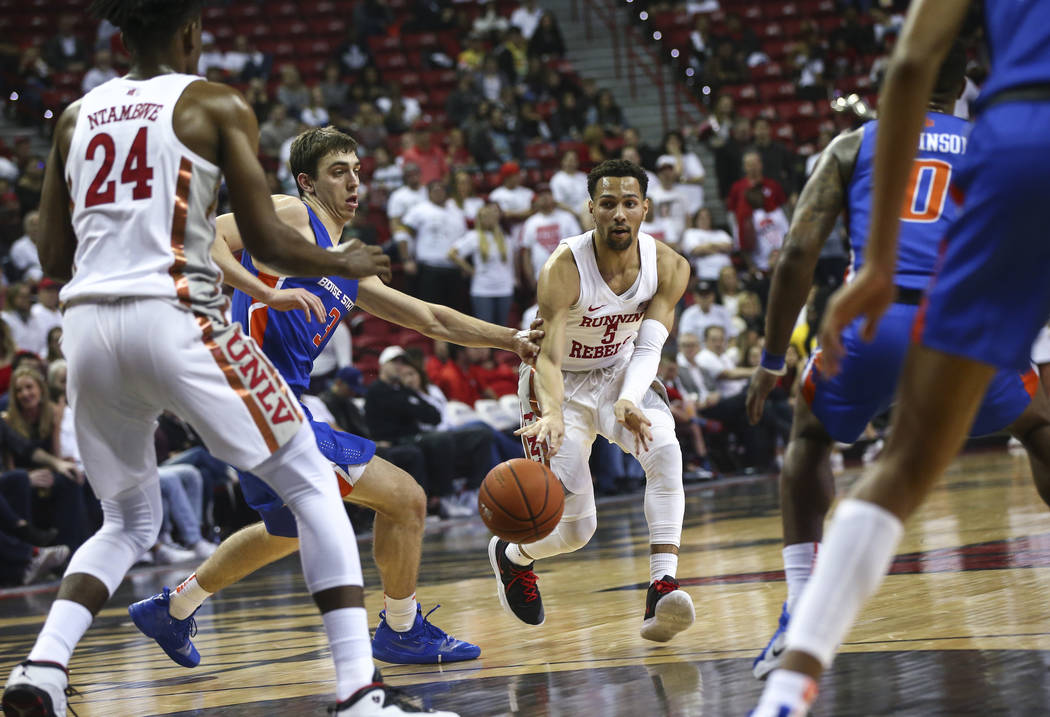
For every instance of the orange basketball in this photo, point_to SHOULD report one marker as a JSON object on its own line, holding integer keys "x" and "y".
{"x": 521, "y": 500}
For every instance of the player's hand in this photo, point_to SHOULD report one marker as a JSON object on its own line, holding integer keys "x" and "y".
{"x": 409, "y": 267}
{"x": 364, "y": 260}
{"x": 869, "y": 295}
{"x": 762, "y": 382}
{"x": 293, "y": 299}
{"x": 631, "y": 417}
{"x": 526, "y": 344}
{"x": 549, "y": 429}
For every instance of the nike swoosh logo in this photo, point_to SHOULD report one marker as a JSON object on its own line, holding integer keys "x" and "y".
{"x": 185, "y": 650}
{"x": 776, "y": 652}
{"x": 595, "y": 308}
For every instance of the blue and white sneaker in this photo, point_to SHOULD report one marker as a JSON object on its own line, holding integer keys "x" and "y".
{"x": 773, "y": 653}
{"x": 424, "y": 644}
{"x": 152, "y": 618}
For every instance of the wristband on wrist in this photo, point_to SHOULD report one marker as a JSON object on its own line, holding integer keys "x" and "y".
{"x": 774, "y": 363}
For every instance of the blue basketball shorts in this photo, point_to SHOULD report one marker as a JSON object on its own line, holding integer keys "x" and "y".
{"x": 867, "y": 382}
{"x": 348, "y": 454}
{"x": 991, "y": 293}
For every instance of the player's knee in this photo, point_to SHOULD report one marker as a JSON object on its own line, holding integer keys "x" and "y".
{"x": 663, "y": 467}
{"x": 414, "y": 501}
{"x": 578, "y": 533}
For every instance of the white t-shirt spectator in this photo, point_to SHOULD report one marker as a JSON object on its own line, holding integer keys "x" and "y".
{"x": 25, "y": 259}
{"x": 707, "y": 266}
{"x": 527, "y": 20}
{"x": 236, "y": 60}
{"x": 210, "y": 58}
{"x": 770, "y": 230}
{"x": 542, "y": 232}
{"x": 437, "y": 229}
{"x": 27, "y": 333}
{"x": 694, "y": 321}
{"x": 655, "y": 229}
{"x": 469, "y": 210}
{"x": 494, "y": 274}
{"x": 46, "y": 319}
{"x": 404, "y": 198}
{"x": 95, "y": 77}
{"x": 712, "y": 365}
{"x": 390, "y": 177}
{"x": 570, "y": 190}
{"x": 518, "y": 199}
{"x": 692, "y": 169}
{"x": 411, "y": 110}
{"x": 670, "y": 210}
{"x": 694, "y": 374}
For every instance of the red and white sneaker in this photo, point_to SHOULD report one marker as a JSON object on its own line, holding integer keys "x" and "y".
{"x": 36, "y": 689}
{"x": 668, "y": 610}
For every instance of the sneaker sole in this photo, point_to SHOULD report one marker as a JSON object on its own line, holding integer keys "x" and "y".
{"x": 27, "y": 701}
{"x": 674, "y": 613}
{"x": 499, "y": 587}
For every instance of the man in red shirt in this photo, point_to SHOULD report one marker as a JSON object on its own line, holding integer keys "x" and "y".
{"x": 737, "y": 202}
{"x": 424, "y": 154}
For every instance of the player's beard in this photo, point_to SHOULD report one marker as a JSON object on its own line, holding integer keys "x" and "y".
{"x": 618, "y": 242}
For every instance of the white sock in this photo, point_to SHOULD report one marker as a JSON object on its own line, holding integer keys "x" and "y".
{"x": 857, "y": 550}
{"x": 515, "y": 555}
{"x": 347, "y": 630}
{"x": 400, "y": 612}
{"x": 798, "y": 566}
{"x": 186, "y": 598}
{"x": 785, "y": 688}
{"x": 66, "y": 624}
{"x": 661, "y": 564}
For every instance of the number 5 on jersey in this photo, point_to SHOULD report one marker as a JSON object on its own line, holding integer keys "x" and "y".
{"x": 135, "y": 171}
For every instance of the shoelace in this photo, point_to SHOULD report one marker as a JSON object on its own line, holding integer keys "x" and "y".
{"x": 528, "y": 580}
{"x": 190, "y": 630}
{"x": 664, "y": 586}
{"x": 433, "y": 630}
{"x": 71, "y": 691}
{"x": 394, "y": 696}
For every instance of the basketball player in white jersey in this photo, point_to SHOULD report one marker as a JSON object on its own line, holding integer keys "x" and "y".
{"x": 607, "y": 299}
{"x": 127, "y": 217}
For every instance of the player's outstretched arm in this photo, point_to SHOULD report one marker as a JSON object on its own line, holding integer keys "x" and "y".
{"x": 673, "y": 270}
{"x": 929, "y": 30}
{"x": 821, "y": 202}
{"x": 268, "y": 238}
{"x": 441, "y": 322}
{"x": 57, "y": 242}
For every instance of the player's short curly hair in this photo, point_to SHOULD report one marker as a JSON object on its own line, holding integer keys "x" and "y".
{"x": 313, "y": 145}
{"x": 617, "y": 168}
{"x": 950, "y": 77}
{"x": 147, "y": 22}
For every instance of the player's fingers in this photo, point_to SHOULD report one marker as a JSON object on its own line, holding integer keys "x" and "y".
{"x": 316, "y": 305}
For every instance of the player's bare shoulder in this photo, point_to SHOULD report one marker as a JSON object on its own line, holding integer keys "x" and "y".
{"x": 672, "y": 270}
{"x": 559, "y": 282}
{"x": 843, "y": 151}
{"x": 67, "y": 122}
{"x": 292, "y": 212}
{"x": 207, "y": 109}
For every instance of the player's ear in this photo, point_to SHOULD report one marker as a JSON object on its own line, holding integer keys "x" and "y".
{"x": 305, "y": 182}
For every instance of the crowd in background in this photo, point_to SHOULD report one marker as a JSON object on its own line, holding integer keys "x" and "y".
{"x": 469, "y": 205}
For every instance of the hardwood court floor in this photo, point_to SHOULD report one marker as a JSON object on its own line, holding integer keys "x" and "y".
{"x": 959, "y": 628}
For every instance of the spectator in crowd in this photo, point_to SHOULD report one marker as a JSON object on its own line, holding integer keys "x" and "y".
{"x": 181, "y": 487}
{"x": 632, "y": 139}
{"x": 61, "y": 493}
{"x": 472, "y": 55}
{"x": 353, "y": 55}
{"x": 541, "y": 233}
{"x": 408, "y": 108}
{"x": 719, "y": 124}
{"x": 66, "y": 51}
{"x": 606, "y": 114}
{"x": 463, "y": 100}
{"x": 22, "y": 257}
{"x": 705, "y": 312}
{"x": 689, "y": 169}
{"x": 8, "y": 349}
{"x": 292, "y": 92}
{"x": 700, "y": 43}
{"x": 371, "y": 18}
{"x": 436, "y": 228}
{"x": 387, "y": 174}
{"x": 456, "y": 149}
{"x": 569, "y": 185}
{"x": 372, "y": 87}
{"x": 653, "y": 226}
{"x": 531, "y": 125}
{"x": 684, "y": 411}
{"x": 569, "y": 119}
{"x": 706, "y": 248}
{"x": 426, "y": 155}
{"x": 276, "y": 130}
{"x": 727, "y": 66}
{"x": 211, "y": 56}
{"x": 526, "y": 17}
{"x": 258, "y": 96}
{"x": 690, "y": 374}
{"x": 546, "y": 42}
{"x": 246, "y": 62}
{"x": 729, "y": 289}
{"x": 593, "y": 140}
{"x": 492, "y": 271}
{"x": 369, "y": 128}
{"x": 741, "y": 209}
{"x": 512, "y": 57}
{"x": 769, "y": 228}
{"x": 401, "y": 200}
{"x": 27, "y": 334}
{"x": 668, "y": 201}
{"x": 824, "y": 138}
{"x": 490, "y": 23}
{"x": 514, "y": 199}
{"x": 24, "y": 557}
{"x": 335, "y": 91}
{"x": 729, "y": 155}
{"x": 631, "y": 154}
{"x": 45, "y": 312}
{"x": 722, "y": 376}
{"x": 315, "y": 114}
{"x": 102, "y": 71}
{"x": 29, "y": 184}
{"x": 463, "y": 198}
{"x": 54, "y": 345}
{"x": 809, "y": 72}
{"x": 777, "y": 160}
{"x": 489, "y": 80}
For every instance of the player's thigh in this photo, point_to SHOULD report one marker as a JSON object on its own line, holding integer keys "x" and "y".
{"x": 656, "y": 410}
{"x": 229, "y": 392}
{"x": 114, "y": 407}
{"x": 387, "y": 489}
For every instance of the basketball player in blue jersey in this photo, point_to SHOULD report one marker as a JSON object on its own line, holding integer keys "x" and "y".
{"x": 836, "y": 409}
{"x": 326, "y": 166}
{"x": 982, "y": 311}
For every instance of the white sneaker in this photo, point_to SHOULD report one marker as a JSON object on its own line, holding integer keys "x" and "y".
{"x": 379, "y": 700}
{"x": 171, "y": 554}
{"x": 36, "y": 689}
{"x": 203, "y": 548}
{"x": 46, "y": 560}
{"x": 451, "y": 508}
